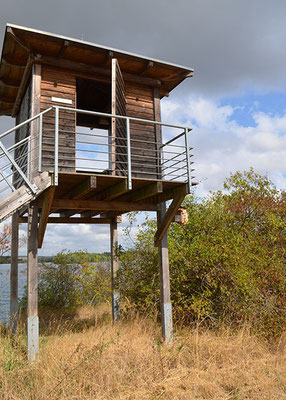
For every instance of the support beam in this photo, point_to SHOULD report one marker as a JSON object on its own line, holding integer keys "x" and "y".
{"x": 22, "y": 87}
{"x": 114, "y": 268}
{"x": 148, "y": 65}
{"x": 91, "y": 69}
{"x": 108, "y": 56}
{"x": 48, "y": 199}
{"x": 166, "y": 306}
{"x": 168, "y": 218}
{"x": 18, "y": 40}
{"x": 74, "y": 220}
{"x": 83, "y": 188}
{"x": 32, "y": 261}
{"x": 78, "y": 192}
{"x": 63, "y": 48}
{"x": 110, "y": 193}
{"x": 101, "y": 205}
{"x": 172, "y": 193}
{"x": 147, "y": 191}
{"x": 34, "y": 127}
{"x": 14, "y": 274}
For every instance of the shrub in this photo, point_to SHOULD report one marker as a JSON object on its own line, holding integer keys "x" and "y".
{"x": 70, "y": 281}
{"x": 227, "y": 265}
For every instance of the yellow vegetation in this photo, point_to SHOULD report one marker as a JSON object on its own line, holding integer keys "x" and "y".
{"x": 129, "y": 361}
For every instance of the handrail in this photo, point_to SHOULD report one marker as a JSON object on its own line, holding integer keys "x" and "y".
{"x": 25, "y": 122}
{"x": 126, "y": 160}
{"x": 101, "y": 114}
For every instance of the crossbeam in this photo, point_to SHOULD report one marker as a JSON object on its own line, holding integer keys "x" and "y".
{"x": 146, "y": 191}
{"x": 74, "y": 220}
{"x": 110, "y": 193}
{"x": 101, "y": 205}
{"x": 78, "y": 192}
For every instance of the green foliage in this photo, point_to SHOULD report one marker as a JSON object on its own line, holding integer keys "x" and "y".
{"x": 71, "y": 280}
{"x": 226, "y": 265}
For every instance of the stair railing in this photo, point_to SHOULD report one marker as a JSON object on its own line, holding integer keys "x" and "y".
{"x": 15, "y": 160}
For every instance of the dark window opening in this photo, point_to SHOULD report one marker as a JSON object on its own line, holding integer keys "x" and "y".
{"x": 93, "y": 96}
{"x": 92, "y": 140}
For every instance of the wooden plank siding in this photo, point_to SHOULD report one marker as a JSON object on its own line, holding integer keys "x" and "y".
{"x": 140, "y": 104}
{"x": 61, "y": 84}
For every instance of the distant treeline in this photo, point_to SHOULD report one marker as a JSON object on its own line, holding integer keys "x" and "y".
{"x": 91, "y": 257}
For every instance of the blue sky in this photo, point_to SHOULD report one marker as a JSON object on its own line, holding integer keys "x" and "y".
{"x": 236, "y": 101}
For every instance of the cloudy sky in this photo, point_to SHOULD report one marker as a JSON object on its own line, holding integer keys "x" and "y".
{"x": 236, "y": 101}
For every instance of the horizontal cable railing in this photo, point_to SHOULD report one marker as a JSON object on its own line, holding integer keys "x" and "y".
{"x": 120, "y": 152}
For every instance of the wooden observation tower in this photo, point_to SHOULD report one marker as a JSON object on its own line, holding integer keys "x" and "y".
{"x": 88, "y": 146}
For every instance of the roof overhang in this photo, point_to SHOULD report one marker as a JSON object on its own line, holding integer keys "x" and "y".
{"x": 24, "y": 46}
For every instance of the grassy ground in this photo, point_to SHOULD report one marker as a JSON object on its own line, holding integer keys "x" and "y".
{"x": 128, "y": 361}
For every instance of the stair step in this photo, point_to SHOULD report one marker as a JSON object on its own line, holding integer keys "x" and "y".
{"x": 23, "y": 196}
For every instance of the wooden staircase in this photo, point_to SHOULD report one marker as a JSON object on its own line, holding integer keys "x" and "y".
{"x": 23, "y": 196}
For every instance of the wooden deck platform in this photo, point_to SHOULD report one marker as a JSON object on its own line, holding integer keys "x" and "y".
{"x": 98, "y": 199}
{"x": 95, "y": 194}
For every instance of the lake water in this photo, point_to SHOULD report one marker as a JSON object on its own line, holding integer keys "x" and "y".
{"x": 5, "y": 288}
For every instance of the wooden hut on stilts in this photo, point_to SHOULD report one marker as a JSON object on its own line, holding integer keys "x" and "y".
{"x": 88, "y": 146}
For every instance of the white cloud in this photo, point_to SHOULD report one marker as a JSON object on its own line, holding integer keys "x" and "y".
{"x": 222, "y": 145}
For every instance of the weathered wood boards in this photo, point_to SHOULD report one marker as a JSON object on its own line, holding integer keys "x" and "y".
{"x": 140, "y": 104}
{"x": 58, "y": 84}
{"x": 23, "y": 196}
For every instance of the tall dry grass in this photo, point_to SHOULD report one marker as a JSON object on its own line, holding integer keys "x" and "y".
{"x": 129, "y": 361}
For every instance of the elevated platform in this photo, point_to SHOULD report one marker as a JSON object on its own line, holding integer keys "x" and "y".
{"x": 98, "y": 199}
{"x": 92, "y": 195}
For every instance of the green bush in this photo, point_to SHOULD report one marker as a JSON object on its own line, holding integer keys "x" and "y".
{"x": 227, "y": 265}
{"x": 70, "y": 281}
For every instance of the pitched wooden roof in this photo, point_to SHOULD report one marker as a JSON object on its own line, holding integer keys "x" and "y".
{"x": 23, "y": 46}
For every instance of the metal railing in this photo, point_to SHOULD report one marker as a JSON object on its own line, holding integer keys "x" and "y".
{"x": 130, "y": 155}
{"x": 97, "y": 151}
{"x": 16, "y": 159}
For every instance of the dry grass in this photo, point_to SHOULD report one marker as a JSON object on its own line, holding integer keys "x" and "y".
{"x": 128, "y": 361}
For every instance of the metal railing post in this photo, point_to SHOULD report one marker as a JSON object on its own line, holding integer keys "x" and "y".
{"x": 40, "y": 142}
{"x": 188, "y": 159}
{"x": 56, "y": 176}
{"x": 128, "y": 153}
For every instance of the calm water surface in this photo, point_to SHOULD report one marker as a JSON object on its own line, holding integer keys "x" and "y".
{"x": 5, "y": 288}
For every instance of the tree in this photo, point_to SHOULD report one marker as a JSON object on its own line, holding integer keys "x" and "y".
{"x": 226, "y": 266}
{"x": 5, "y": 239}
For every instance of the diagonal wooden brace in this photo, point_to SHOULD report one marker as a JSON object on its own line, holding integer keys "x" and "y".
{"x": 168, "y": 218}
{"x": 49, "y": 196}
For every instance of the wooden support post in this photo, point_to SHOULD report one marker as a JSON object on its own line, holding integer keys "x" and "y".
{"x": 32, "y": 261}
{"x": 14, "y": 273}
{"x": 166, "y": 306}
{"x": 114, "y": 269}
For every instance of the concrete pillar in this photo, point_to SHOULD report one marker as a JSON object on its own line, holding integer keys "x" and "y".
{"x": 166, "y": 306}
{"x": 14, "y": 274}
{"x": 114, "y": 269}
{"x": 33, "y": 319}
